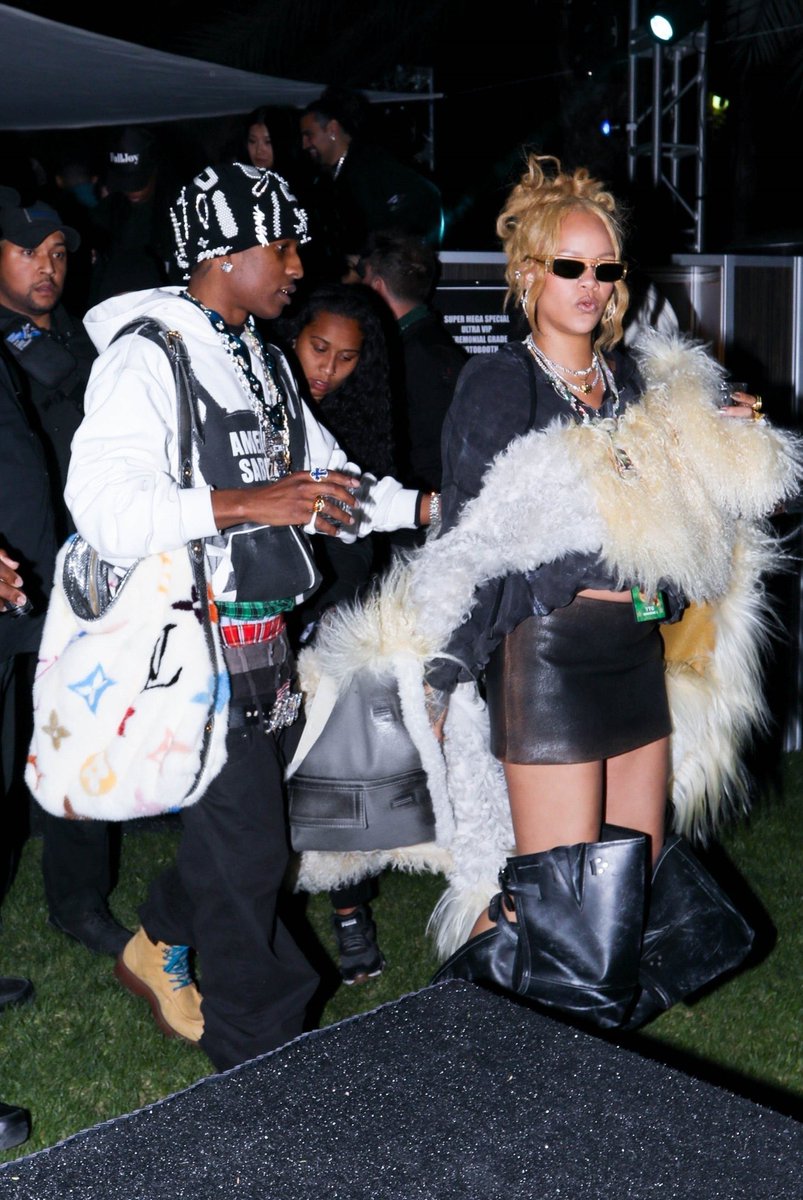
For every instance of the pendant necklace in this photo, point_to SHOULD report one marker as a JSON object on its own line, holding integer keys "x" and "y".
{"x": 584, "y": 388}
{"x": 267, "y": 403}
{"x": 583, "y": 413}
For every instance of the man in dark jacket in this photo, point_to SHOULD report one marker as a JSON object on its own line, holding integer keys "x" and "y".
{"x": 360, "y": 187}
{"x": 45, "y": 360}
{"x": 402, "y": 268}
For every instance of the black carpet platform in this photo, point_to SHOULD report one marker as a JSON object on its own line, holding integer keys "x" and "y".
{"x": 449, "y": 1092}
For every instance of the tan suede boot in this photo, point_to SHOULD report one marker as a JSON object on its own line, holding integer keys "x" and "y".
{"x": 160, "y": 973}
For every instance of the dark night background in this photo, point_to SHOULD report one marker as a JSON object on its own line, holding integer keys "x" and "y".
{"x": 536, "y": 73}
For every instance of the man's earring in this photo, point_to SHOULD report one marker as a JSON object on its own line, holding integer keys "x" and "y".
{"x": 227, "y": 266}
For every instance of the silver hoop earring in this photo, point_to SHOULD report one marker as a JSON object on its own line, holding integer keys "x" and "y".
{"x": 227, "y": 266}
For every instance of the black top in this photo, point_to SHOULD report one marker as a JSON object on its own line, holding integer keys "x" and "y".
{"x": 372, "y": 191}
{"x": 27, "y": 526}
{"x": 49, "y": 371}
{"x": 432, "y": 363}
{"x": 43, "y": 376}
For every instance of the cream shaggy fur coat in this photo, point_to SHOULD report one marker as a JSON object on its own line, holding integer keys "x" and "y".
{"x": 692, "y": 509}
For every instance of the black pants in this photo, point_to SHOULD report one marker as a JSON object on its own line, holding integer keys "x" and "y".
{"x": 77, "y": 863}
{"x": 221, "y": 898}
{"x": 361, "y": 892}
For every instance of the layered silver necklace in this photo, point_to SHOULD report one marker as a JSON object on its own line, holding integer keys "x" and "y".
{"x": 584, "y": 414}
{"x": 266, "y": 401}
{"x": 589, "y": 375}
{"x": 564, "y": 387}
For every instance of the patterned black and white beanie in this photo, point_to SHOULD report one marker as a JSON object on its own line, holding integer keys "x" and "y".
{"x": 232, "y": 207}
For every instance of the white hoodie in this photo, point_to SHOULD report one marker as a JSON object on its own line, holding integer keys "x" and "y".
{"x": 122, "y": 487}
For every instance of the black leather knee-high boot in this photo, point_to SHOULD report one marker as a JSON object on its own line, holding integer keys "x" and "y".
{"x": 694, "y": 933}
{"x": 576, "y": 943}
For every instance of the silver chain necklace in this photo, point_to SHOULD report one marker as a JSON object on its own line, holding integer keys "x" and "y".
{"x": 584, "y": 414}
{"x": 265, "y": 399}
{"x": 581, "y": 372}
{"x": 551, "y": 369}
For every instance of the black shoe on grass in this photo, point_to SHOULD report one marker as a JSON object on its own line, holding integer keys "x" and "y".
{"x": 360, "y": 956}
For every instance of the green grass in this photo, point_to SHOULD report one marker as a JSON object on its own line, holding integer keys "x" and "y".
{"x": 86, "y": 1050}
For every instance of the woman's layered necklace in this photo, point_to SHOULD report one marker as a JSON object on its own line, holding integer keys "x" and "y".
{"x": 583, "y": 413}
{"x": 270, "y": 409}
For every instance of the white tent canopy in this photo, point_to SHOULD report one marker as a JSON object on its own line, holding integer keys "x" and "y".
{"x": 57, "y": 77}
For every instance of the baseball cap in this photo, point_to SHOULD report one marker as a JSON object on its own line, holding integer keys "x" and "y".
{"x": 131, "y": 160}
{"x": 29, "y": 226}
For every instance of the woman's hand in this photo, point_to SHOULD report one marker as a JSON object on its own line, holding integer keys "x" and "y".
{"x": 745, "y": 407}
{"x": 292, "y": 500}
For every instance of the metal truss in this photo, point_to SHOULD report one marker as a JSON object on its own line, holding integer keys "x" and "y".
{"x": 666, "y": 118}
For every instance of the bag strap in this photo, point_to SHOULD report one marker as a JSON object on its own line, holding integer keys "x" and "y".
{"x": 188, "y": 427}
{"x": 175, "y": 348}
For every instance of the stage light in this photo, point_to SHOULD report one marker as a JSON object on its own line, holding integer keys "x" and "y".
{"x": 674, "y": 19}
{"x": 605, "y": 128}
{"x": 661, "y": 27}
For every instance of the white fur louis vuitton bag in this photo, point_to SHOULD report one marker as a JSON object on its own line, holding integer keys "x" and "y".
{"x": 131, "y": 692}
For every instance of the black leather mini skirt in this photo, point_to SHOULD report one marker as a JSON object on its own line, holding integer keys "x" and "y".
{"x": 583, "y": 683}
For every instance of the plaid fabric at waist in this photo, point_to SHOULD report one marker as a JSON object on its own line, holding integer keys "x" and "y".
{"x": 248, "y": 633}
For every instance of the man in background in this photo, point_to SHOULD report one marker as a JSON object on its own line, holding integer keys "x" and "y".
{"x": 360, "y": 187}
{"x": 402, "y": 269}
{"x": 45, "y": 360}
{"x": 133, "y": 238}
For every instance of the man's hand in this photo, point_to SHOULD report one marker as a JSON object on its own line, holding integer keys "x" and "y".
{"x": 291, "y": 501}
{"x": 10, "y": 582}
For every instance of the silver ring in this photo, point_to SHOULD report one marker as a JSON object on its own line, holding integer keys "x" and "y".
{"x": 318, "y": 473}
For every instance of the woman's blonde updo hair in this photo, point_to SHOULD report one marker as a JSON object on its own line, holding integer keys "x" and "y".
{"x": 529, "y": 227}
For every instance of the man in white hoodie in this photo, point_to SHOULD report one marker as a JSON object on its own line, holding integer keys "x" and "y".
{"x": 257, "y": 493}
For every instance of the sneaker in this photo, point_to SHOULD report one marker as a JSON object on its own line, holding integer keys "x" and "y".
{"x": 14, "y": 990}
{"x": 15, "y": 1126}
{"x": 96, "y": 930}
{"x": 360, "y": 956}
{"x": 161, "y": 975}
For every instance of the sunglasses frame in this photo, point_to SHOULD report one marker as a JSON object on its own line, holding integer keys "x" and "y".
{"x": 549, "y": 265}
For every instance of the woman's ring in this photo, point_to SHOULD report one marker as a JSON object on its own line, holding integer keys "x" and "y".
{"x": 318, "y": 473}
{"x": 319, "y": 504}
{"x": 757, "y": 404}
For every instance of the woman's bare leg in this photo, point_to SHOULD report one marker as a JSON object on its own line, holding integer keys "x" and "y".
{"x": 554, "y": 804}
{"x": 551, "y": 805}
{"x": 635, "y": 791}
